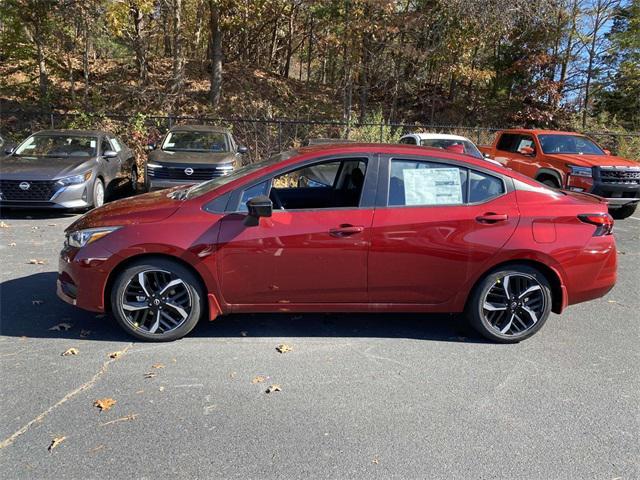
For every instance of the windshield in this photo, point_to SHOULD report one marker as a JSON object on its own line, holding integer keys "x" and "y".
{"x": 569, "y": 144}
{"x": 202, "y": 188}
{"x": 452, "y": 145}
{"x": 195, "y": 142}
{"x": 58, "y": 146}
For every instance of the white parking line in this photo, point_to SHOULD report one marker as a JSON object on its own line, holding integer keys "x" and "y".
{"x": 635, "y": 218}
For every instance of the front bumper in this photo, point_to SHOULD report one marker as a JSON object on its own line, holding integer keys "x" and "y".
{"x": 619, "y": 186}
{"x": 68, "y": 197}
{"x": 83, "y": 275}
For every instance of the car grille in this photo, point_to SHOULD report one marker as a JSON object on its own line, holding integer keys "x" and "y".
{"x": 620, "y": 176}
{"x": 178, "y": 173}
{"x": 38, "y": 191}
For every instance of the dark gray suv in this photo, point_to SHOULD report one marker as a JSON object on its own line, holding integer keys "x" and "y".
{"x": 64, "y": 169}
{"x": 190, "y": 154}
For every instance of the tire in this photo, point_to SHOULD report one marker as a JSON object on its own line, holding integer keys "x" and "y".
{"x": 512, "y": 323}
{"x": 133, "y": 180}
{"x": 550, "y": 183}
{"x": 623, "y": 212}
{"x": 152, "y": 317}
{"x": 98, "y": 193}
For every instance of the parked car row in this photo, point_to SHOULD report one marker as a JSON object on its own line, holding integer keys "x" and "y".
{"x": 75, "y": 169}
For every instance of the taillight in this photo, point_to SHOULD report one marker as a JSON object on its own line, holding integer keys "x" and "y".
{"x": 602, "y": 221}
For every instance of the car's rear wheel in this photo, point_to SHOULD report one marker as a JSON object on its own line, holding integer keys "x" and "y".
{"x": 549, "y": 182}
{"x": 510, "y": 304}
{"x": 157, "y": 300}
{"x": 623, "y": 212}
{"x": 98, "y": 193}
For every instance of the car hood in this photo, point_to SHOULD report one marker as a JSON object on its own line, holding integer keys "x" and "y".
{"x": 162, "y": 156}
{"x": 43, "y": 168}
{"x": 594, "y": 160}
{"x": 147, "y": 208}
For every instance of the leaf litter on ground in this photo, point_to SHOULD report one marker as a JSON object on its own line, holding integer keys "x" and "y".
{"x": 70, "y": 351}
{"x": 284, "y": 348}
{"x": 55, "y": 442}
{"x": 104, "y": 404}
{"x": 273, "y": 388}
{"x": 61, "y": 327}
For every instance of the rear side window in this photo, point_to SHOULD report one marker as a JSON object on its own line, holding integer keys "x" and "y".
{"x": 115, "y": 145}
{"x": 408, "y": 141}
{"x": 430, "y": 183}
{"x": 426, "y": 183}
{"x": 483, "y": 187}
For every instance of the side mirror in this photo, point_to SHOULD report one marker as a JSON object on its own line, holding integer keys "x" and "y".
{"x": 260, "y": 206}
{"x": 486, "y": 155}
{"x": 607, "y": 152}
{"x": 151, "y": 146}
{"x": 527, "y": 151}
{"x": 9, "y": 151}
{"x": 242, "y": 149}
{"x": 109, "y": 154}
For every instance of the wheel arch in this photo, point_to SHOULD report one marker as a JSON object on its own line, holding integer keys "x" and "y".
{"x": 212, "y": 302}
{"x": 558, "y": 295}
{"x": 543, "y": 173}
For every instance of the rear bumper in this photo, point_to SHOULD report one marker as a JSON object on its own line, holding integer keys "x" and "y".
{"x": 593, "y": 272}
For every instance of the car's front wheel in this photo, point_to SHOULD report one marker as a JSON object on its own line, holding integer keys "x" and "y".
{"x": 623, "y": 212}
{"x": 157, "y": 300}
{"x": 510, "y": 304}
{"x": 98, "y": 193}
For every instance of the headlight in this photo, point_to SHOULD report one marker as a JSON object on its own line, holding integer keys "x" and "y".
{"x": 227, "y": 167}
{"x": 153, "y": 165}
{"x": 80, "y": 238}
{"x": 75, "y": 179}
{"x": 580, "y": 171}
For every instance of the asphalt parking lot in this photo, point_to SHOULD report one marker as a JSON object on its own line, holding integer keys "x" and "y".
{"x": 362, "y": 396}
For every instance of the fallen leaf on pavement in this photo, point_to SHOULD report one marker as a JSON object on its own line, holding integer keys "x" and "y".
{"x": 232, "y": 374}
{"x": 104, "y": 404}
{"x": 85, "y": 333}
{"x": 52, "y": 225}
{"x": 36, "y": 261}
{"x": 157, "y": 365}
{"x": 243, "y": 333}
{"x": 115, "y": 354}
{"x": 611, "y": 301}
{"x": 375, "y": 460}
{"x": 4, "y": 225}
{"x": 12, "y": 244}
{"x": 61, "y": 327}
{"x": 258, "y": 379}
{"x": 37, "y": 302}
{"x": 273, "y": 388}
{"x": 284, "y": 348}
{"x": 55, "y": 442}
{"x": 150, "y": 375}
{"x": 127, "y": 418}
{"x": 161, "y": 389}
{"x": 70, "y": 351}
{"x": 99, "y": 447}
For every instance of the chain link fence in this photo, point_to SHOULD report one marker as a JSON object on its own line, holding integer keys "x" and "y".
{"x": 268, "y": 136}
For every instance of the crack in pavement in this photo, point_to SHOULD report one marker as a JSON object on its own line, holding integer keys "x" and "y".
{"x": 85, "y": 386}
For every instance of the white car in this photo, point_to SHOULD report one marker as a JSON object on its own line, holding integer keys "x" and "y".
{"x": 450, "y": 143}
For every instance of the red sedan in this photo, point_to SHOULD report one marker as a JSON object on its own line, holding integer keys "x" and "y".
{"x": 344, "y": 228}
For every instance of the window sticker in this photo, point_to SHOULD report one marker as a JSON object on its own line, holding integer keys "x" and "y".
{"x": 93, "y": 144}
{"x": 432, "y": 186}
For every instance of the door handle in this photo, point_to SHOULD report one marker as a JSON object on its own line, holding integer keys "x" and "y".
{"x": 345, "y": 230}
{"x": 492, "y": 217}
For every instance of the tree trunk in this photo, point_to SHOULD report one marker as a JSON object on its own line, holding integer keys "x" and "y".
{"x": 216, "y": 53}
{"x": 42, "y": 66}
{"x": 139, "y": 46}
{"x": 85, "y": 63}
{"x": 178, "y": 60}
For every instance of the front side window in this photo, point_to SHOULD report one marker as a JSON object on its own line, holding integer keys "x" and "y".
{"x": 115, "y": 145}
{"x": 261, "y": 188}
{"x": 576, "y": 144}
{"x": 192, "y": 141}
{"x": 508, "y": 142}
{"x": 525, "y": 141}
{"x": 333, "y": 184}
{"x": 58, "y": 146}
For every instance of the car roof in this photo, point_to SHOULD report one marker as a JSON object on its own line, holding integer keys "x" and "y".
{"x": 533, "y": 131}
{"x": 436, "y": 136}
{"x": 198, "y": 128}
{"x": 62, "y": 131}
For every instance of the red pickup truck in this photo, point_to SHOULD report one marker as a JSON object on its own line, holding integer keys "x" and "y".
{"x": 570, "y": 161}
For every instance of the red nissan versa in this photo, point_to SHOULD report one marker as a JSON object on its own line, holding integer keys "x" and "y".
{"x": 344, "y": 228}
